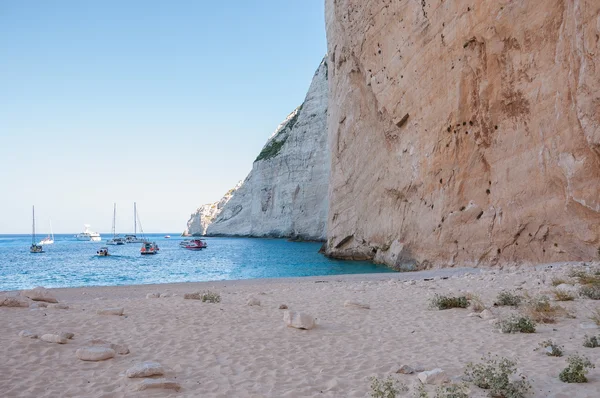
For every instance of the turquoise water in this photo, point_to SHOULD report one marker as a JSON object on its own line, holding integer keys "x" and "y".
{"x": 70, "y": 263}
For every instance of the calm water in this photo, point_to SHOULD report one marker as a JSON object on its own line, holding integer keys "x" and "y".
{"x": 69, "y": 262}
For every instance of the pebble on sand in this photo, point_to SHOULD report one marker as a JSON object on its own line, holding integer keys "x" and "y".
{"x": 283, "y": 307}
{"x": 158, "y": 383}
{"x": 298, "y": 320}
{"x": 53, "y": 338}
{"x": 95, "y": 353}
{"x": 152, "y": 295}
{"x": 435, "y": 376}
{"x": 145, "y": 369}
{"x": 111, "y": 311}
{"x": 39, "y": 294}
{"x": 67, "y": 335}
{"x": 253, "y": 301}
{"x": 28, "y": 334}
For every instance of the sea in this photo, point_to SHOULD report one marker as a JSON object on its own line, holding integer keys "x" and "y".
{"x": 72, "y": 263}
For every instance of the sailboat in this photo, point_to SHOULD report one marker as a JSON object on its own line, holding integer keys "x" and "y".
{"x": 35, "y": 248}
{"x": 148, "y": 248}
{"x": 115, "y": 239}
{"x": 133, "y": 238}
{"x": 48, "y": 240}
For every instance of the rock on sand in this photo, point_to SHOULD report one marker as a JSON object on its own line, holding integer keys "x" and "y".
{"x": 145, "y": 369}
{"x": 39, "y": 294}
{"x": 111, "y": 311}
{"x": 298, "y": 320}
{"x": 95, "y": 353}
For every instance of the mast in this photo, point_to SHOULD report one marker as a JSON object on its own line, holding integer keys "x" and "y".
{"x": 33, "y": 225}
{"x": 134, "y": 220}
{"x": 114, "y": 218}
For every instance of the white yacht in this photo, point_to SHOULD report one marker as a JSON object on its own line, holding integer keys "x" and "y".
{"x": 88, "y": 235}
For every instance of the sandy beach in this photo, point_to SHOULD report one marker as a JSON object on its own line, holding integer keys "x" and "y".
{"x": 232, "y": 349}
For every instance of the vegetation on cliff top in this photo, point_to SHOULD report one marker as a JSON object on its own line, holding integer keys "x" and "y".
{"x": 274, "y": 147}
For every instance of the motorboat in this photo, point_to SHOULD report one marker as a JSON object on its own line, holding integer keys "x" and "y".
{"x": 184, "y": 242}
{"x": 149, "y": 248}
{"x": 103, "y": 252}
{"x": 88, "y": 235}
{"x": 167, "y": 236}
{"x": 196, "y": 244}
{"x": 34, "y": 248}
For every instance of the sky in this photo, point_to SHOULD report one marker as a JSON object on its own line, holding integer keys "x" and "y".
{"x": 165, "y": 103}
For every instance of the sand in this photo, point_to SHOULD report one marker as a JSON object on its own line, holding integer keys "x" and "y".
{"x": 231, "y": 349}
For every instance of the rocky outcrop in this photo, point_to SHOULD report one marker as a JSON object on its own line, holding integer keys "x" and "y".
{"x": 206, "y": 214}
{"x": 464, "y": 132}
{"x": 285, "y": 194}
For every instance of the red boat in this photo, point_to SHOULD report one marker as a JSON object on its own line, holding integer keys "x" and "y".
{"x": 149, "y": 248}
{"x": 195, "y": 244}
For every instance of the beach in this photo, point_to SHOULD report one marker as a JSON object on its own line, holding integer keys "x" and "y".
{"x": 233, "y": 349}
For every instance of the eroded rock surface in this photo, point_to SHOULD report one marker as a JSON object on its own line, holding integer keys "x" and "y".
{"x": 464, "y": 133}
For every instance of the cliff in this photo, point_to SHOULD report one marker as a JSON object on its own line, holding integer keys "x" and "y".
{"x": 464, "y": 132}
{"x": 206, "y": 214}
{"x": 285, "y": 194}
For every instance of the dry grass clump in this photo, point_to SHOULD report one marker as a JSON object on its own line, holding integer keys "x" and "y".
{"x": 475, "y": 302}
{"x": 596, "y": 316}
{"x": 591, "y": 291}
{"x": 210, "y": 297}
{"x": 560, "y": 281}
{"x": 563, "y": 295}
{"x": 508, "y": 299}
{"x": 541, "y": 310}
{"x": 446, "y": 302}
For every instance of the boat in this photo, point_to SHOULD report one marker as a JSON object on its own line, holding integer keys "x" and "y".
{"x": 184, "y": 242}
{"x": 103, "y": 252}
{"x": 116, "y": 240}
{"x": 88, "y": 234}
{"x": 195, "y": 244}
{"x": 167, "y": 236}
{"x": 149, "y": 248}
{"x": 133, "y": 238}
{"x": 35, "y": 248}
{"x": 48, "y": 240}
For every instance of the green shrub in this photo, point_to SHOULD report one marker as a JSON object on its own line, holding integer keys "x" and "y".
{"x": 508, "y": 298}
{"x": 452, "y": 391}
{"x": 271, "y": 150}
{"x": 387, "y": 388}
{"x": 557, "y": 351}
{"x": 445, "y": 303}
{"x": 517, "y": 324}
{"x": 577, "y": 369}
{"x": 420, "y": 392}
{"x": 210, "y": 297}
{"x": 591, "y": 342}
{"x": 590, "y": 291}
{"x": 495, "y": 374}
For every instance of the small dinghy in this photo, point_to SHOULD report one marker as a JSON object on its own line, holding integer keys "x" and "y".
{"x": 103, "y": 252}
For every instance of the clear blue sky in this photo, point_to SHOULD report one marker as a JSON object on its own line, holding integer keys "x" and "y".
{"x": 166, "y": 103}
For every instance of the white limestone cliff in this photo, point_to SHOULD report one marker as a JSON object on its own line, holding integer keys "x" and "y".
{"x": 206, "y": 214}
{"x": 285, "y": 194}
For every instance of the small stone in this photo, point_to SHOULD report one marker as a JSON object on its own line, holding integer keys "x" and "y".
{"x": 435, "y": 376}
{"x": 298, "y": 320}
{"x": 549, "y": 350}
{"x": 145, "y": 369}
{"x": 158, "y": 383}
{"x": 28, "y": 334}
{"x": 39, "y": 294}
{"x": 59, "y": 306}
{"x": 95, "y": 353}
{"x": 67, "y": 335}
{"x": 192, "y": 296}
{"x": 283, "y": 307}
{"x": 252, "y": 301}
{"x": 354, "y": 304}
{"x": 111, "y": 311}
{"x": 486, "y": 315}
{"x": 405, "y": 370}
{"x": 53, "y": 338}
{"x": 153, "y": 295}
{"x": 120, "y": 349}
{"x": 165, "y": 295}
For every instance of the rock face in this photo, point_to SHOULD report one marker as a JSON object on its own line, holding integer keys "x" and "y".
{"x": 285, "y": 194}
{"x": 464, "y": 133}
{"x": 206, "y": 214}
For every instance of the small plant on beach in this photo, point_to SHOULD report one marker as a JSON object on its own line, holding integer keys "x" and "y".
{"x": 475, "y": 302}
{"x": 555, "y": 349}
{"x": 508, "y": 299}
{"x": 497, "y": 375}
{"x": 577, "y": 369}
{"x": 387, "y": 388}
{"x": 444, "y": 303}
{"x": 591, "y": 342}
{"x": 541, "y": 310}
{"x": 452, "y": 391}
{"x": 420, "y": 392}
{"x": 210, "y": 297}
{"x": 517, "y": 324}
{"x": 563, "y": 295}
{"x": 560, "y": 281}
{"x": 596, "y": 316}
{"x": 590, "y": 291}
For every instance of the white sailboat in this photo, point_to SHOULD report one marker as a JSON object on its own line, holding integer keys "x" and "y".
{"x": 35, "y": 248}
{"x": 116, "y": 240}
{"x": 48, "y": 240}
{"x": 133, "y": 238}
